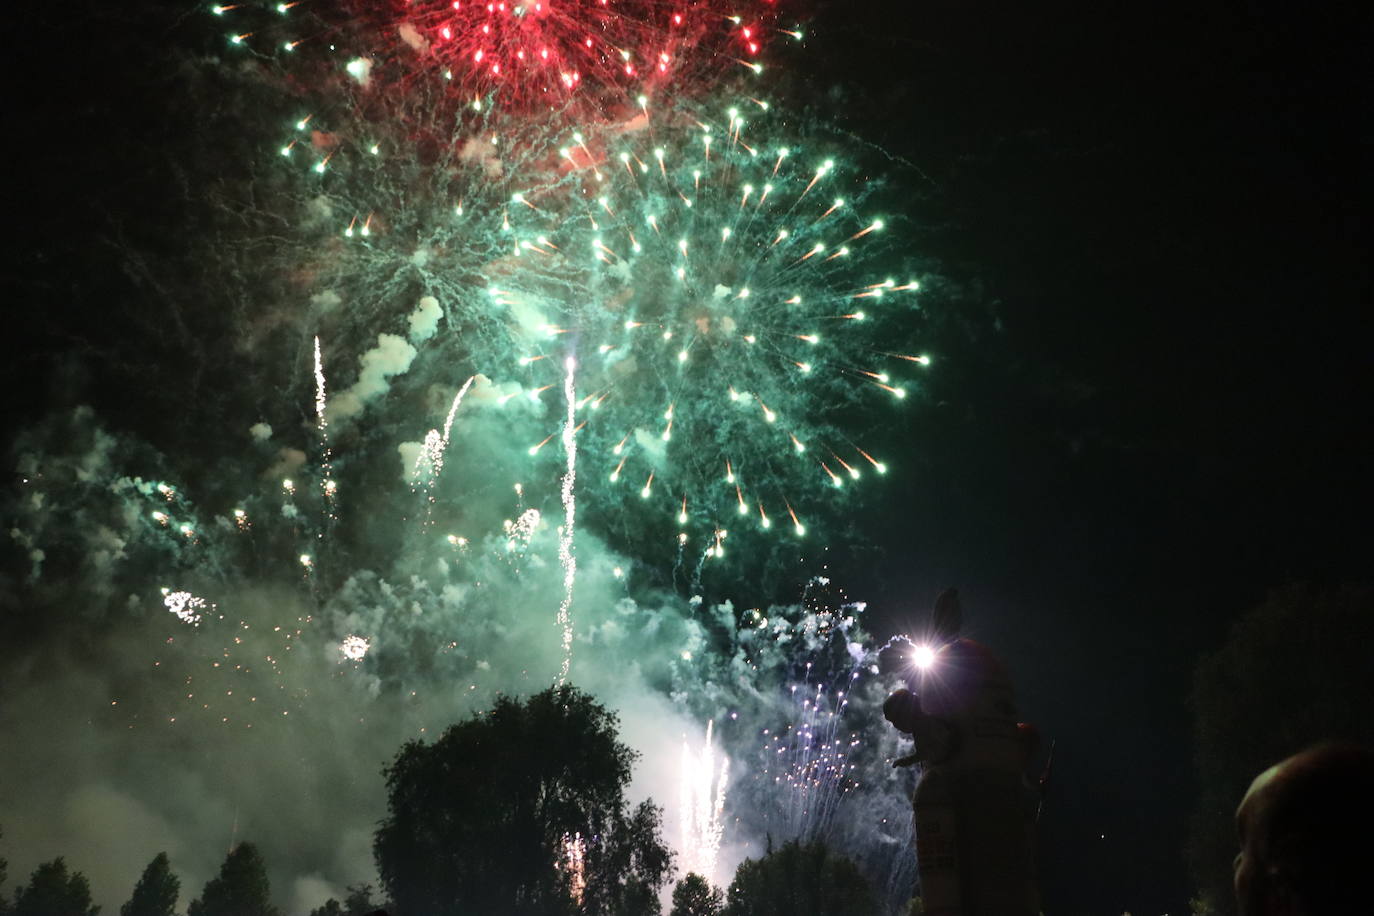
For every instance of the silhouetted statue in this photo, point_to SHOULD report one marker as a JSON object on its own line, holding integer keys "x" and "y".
{"x": 973, "y": 813}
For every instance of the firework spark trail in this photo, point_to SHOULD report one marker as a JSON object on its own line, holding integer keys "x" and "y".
{"x": 322, "y": 424}
{"x": 432, "y": 454}
{"x": 452, "y": 412}
{"x": 703, "y": 805}
{"x": 565, "y": 537}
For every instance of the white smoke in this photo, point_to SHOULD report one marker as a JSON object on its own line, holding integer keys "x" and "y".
{"x": 391, "y": 357}
{"x": 424, "y": 321}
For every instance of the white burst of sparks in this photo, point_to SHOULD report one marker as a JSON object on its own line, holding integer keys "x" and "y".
{"x": 354, "y": 647}
{"x": 519, "y": 532}
{"x": 186, "y": 606}
{"x": 703, "y": 805}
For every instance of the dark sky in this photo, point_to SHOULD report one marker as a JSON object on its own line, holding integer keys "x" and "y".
{"x": 1152, "y": 227}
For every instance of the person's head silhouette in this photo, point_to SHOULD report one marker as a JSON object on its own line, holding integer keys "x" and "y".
{"x": 1306, "y": 830}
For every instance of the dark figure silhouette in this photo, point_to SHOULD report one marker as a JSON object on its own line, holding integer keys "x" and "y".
{"x": 1306, "y": 830}
{"x": 974, "y": 817}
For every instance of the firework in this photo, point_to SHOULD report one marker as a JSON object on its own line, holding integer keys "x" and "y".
{"x": 354, "y": 648}
{"x": 429, "y": 463}
{"x": 734, "y": 316}
{"x": 702, "y": 800}
{"x": 730, "y": 294}
{"x": 413, "y": 207}
{"x": 574, "y": 861}
{"x": 808, "y": 759}
{"x": 587, "y": 58}
{"x": 187, "y": 607}
{"x": 565, "y": 535}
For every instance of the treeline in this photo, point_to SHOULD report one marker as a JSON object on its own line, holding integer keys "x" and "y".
{"x": 520, "y": 811}
{"x": 794, "y": 879}
{"x": 240, "y": 889}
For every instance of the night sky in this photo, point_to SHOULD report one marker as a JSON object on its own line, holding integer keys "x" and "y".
{"x": 1150, "y": 225}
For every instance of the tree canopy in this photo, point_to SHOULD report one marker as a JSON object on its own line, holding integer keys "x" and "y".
{"x": 156, "y": 892}
{"x": 694, "y": 896}
{"x": 800, "y": 880}
{"x": 1293, "y": 672}
{"x": 521, "y": 811}
{"x": 241, "y": 889}
{"x": 52, "y": 891}
{"x": 357, "y": 902}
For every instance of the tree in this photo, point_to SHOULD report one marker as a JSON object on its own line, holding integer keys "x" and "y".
{"x": 242, "y": 888}
{"x": 51, "y": 891}
{"x": 156, "y": 892}
{"x": 694, "y": 896}
{"x": 1293, "y": 672}
{"x": 800, "y": 880}
{"x": 520, "y": 811}
{"x": 357, "y": 902}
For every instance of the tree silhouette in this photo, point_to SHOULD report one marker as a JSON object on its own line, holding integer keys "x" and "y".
{"x": 242, "y": 888}
{"x": 357, "y": 902}
{"x": 4, "y": 871}
{"x": 694, "y": 896}
{"x": 51, "y": 891}
{"x": 1293, "y": 672}
{"x": 798, "y": 880}
{"x": 156, "y": 892}
{"x": 521, "y": 811}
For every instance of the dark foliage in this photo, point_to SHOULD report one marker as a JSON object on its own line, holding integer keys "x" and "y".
{"x": 242, "y": 888}
{"x": 694, "y": 896}
{"x": 478, "y": 821}
{"x": 156, "y": 892}
{"x": 800, "y": 880}
{"x": 1292, "y": 673}
{"x": 52, "y": 891}
{"x": 357, "y": 902}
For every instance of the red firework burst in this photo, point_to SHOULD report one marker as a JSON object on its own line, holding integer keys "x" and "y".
{"x": 544, "y": 53}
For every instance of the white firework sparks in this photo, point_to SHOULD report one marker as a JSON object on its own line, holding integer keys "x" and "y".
{"x": 574, "y": 862}
{"x": 430, "y": 462}
{"x": 354, "y": 648}
{"x": 565, "y": 538}
{"x": 323, "y": 424}
{"x": 703, "y": 806}
{"x": 519, "y": 532}
{"x": 185, "y": 605}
